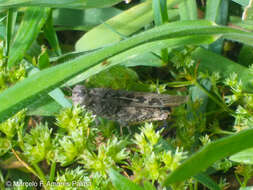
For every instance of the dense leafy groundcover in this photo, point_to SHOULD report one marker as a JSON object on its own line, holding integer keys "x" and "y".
{"x": 200, "y": 49}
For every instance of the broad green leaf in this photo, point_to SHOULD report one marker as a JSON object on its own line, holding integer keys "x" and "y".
{"x": 77, "y": 4}
{"x": 30, "y": 26}
{"x": 245, "y": 156}
{"x": 212, "y": 62}
{"x": 122, "y": 183}
{"x": 81, "y": 19}
{"x": 25, "y": 92}
{"x": 210, "y": 153}
{"x": 126, "y": 23}
{"x": 111, "y": 78}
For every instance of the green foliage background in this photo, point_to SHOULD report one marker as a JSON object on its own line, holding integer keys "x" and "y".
{"x": 199, "y": 49}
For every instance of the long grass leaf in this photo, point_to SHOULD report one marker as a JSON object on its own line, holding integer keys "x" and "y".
{"x": 211, "y": 153}
{"x": 77, "y": 4}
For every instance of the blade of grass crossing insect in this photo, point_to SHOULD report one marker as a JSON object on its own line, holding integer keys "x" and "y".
{"x": 56, "y": 94}
{"x": 136, "y": 53}
{"x": 28, "y": 31}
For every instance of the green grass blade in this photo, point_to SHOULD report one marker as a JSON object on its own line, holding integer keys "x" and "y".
{"x": 220, "y": 17}
{"x": 23, "y": 93}
{"x": 60, "y": 98}
{"x": 160, "y": 17}
{"x": 160, "y": 12}
{"x": 28, "y": 31}
{"x": 211, "y": 153}
{"x": 132, "y": 57}
{"x": 212, "y": 9}
{"x": 51, "y": 35}
{"x": 11, "y": 21}
{"x": 77, "y": 4}
{"x": 188, "y": 10}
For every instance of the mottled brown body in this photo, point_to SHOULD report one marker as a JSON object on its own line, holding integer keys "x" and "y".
{"x": 126, "y": 107}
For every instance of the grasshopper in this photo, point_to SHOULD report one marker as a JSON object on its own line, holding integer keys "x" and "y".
{"x": 126, "y": 107}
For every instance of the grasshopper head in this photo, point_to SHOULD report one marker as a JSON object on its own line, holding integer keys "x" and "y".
{"x": 80, "y": 95}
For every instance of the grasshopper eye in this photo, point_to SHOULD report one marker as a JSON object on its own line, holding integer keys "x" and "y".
{"x": 78, "y": 94}
{"x": 79, "y": 89}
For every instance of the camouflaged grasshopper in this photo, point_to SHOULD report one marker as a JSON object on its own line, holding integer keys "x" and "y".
{"x": 126, "y": 107}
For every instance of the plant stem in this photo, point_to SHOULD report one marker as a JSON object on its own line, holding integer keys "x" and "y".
{"x": 238, "y": 179}
{"x": 52, "y": 171}
{"x": 41, "y": 175}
